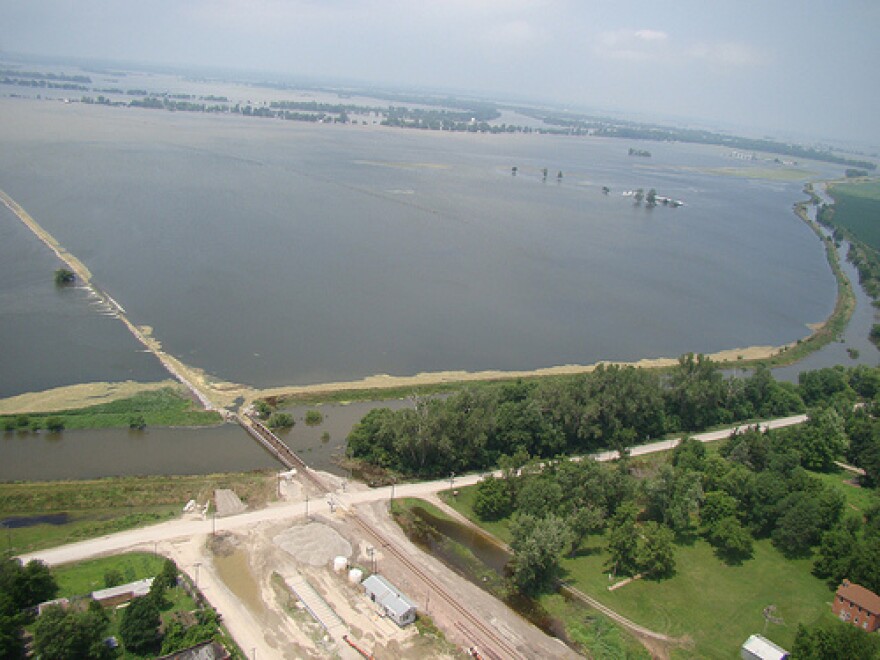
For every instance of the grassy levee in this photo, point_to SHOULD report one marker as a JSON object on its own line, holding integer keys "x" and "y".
{"x": 843, "y": 310}
{"x": 104, "y": 506}
{"x": 164, "y": 407}
{"x": 856, "y": 207}
{"x": 715, "y": 604}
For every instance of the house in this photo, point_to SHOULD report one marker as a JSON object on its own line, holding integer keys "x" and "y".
{"x": 397, "y": 607}
{"x": 123, "y": 593}
{"x": 63, "y": 603}
{"x": 858, "y": 605}
{"x": 761, "y": 648}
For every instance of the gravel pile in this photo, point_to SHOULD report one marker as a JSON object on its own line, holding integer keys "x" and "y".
{"x": 315, "y": 543}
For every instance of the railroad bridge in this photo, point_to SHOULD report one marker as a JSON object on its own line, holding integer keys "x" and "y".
{"x": 279, "y": 449}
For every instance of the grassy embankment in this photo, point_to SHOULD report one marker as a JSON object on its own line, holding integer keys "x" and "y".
{"x": 168, "y": 406}
{"x": 104, "y": 506}
{"x": 715, "y": 604}
{"x": 844, "y": 307}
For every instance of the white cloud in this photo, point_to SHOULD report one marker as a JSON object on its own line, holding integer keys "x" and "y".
{"x": 726, "y": 53}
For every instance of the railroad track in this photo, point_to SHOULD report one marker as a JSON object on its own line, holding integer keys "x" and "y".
{"x": 490, "y": 643}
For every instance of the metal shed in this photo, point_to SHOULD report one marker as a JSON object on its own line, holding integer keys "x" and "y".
{"x": 397, "y": 607}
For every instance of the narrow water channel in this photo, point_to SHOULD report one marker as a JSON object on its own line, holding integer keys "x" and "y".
{"x": 480, "y": 560}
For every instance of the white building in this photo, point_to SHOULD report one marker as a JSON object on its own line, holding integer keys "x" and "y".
{"x": 397, "y": 607}
{"x": 761, "y": 648}
{"x": 114, "y": 596}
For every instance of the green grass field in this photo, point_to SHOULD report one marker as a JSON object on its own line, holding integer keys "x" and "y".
{"x": 82, "y": 578}
{"x": 165, "y": 407}
{"x": 857, "y": 498}
{"x": 715, "y": 605}
{"x": 857, "y": 208}
{"x": 718, "y": 606}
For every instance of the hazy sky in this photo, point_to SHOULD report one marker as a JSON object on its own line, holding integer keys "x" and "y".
{"x": 776, "y": 65}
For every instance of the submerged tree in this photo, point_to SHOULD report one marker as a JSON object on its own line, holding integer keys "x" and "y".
{"x": 64, "y": 277}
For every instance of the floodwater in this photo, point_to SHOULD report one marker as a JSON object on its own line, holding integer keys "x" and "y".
{"x": 277, "y": 253}
{"x": 52, "y": 336}
{"x": 323, "y": 444}
{"x": 121, "y": 452}
{"x": 80, "y": 454}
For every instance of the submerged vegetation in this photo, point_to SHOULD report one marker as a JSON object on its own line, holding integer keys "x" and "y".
{"x": 63, "y": 277}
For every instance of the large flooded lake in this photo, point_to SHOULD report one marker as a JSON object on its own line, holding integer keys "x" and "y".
{"x": 277, "y": 253}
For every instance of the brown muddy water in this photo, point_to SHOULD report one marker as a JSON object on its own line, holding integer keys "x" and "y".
{"x": 480, "y": 560}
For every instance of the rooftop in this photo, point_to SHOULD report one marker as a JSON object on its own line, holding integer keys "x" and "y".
{"x": 764, "y": 648}
{"x": 139, "y": 588}
{"x": 387, "y": 595}
{"x": 858, "y": 595}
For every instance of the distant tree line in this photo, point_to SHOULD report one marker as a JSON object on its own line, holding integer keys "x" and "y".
{"x": 43, "y": 84}
{"x": 451, "y": 114}
{"x": 37, "y": 75}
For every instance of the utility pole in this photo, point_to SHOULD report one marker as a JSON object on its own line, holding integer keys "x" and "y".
{"x": 307, "y": 506}
{"x": 198, "y": 565}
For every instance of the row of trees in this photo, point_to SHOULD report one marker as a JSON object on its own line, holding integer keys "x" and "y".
{"x": 756, "y": 486}
{"x": 612, "y": 407}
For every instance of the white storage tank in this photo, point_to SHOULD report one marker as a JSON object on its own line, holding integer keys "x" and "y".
{"x": 355, "y": 576}
{"x": 340, "y": 563}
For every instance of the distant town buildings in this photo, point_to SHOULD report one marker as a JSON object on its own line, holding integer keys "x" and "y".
{"x": 857, "y": 605}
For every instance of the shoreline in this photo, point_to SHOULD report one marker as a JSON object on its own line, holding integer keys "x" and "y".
{"x": 222, "y": 396}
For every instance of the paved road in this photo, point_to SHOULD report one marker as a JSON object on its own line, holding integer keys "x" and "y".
{"x": 186, "y": 528}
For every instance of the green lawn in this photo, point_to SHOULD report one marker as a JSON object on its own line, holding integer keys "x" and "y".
{"x": 857, "y": 208}
{"x": 82, "y": 578}
{"x": 857, "y": 498}
{"x": 718, "y": 606}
